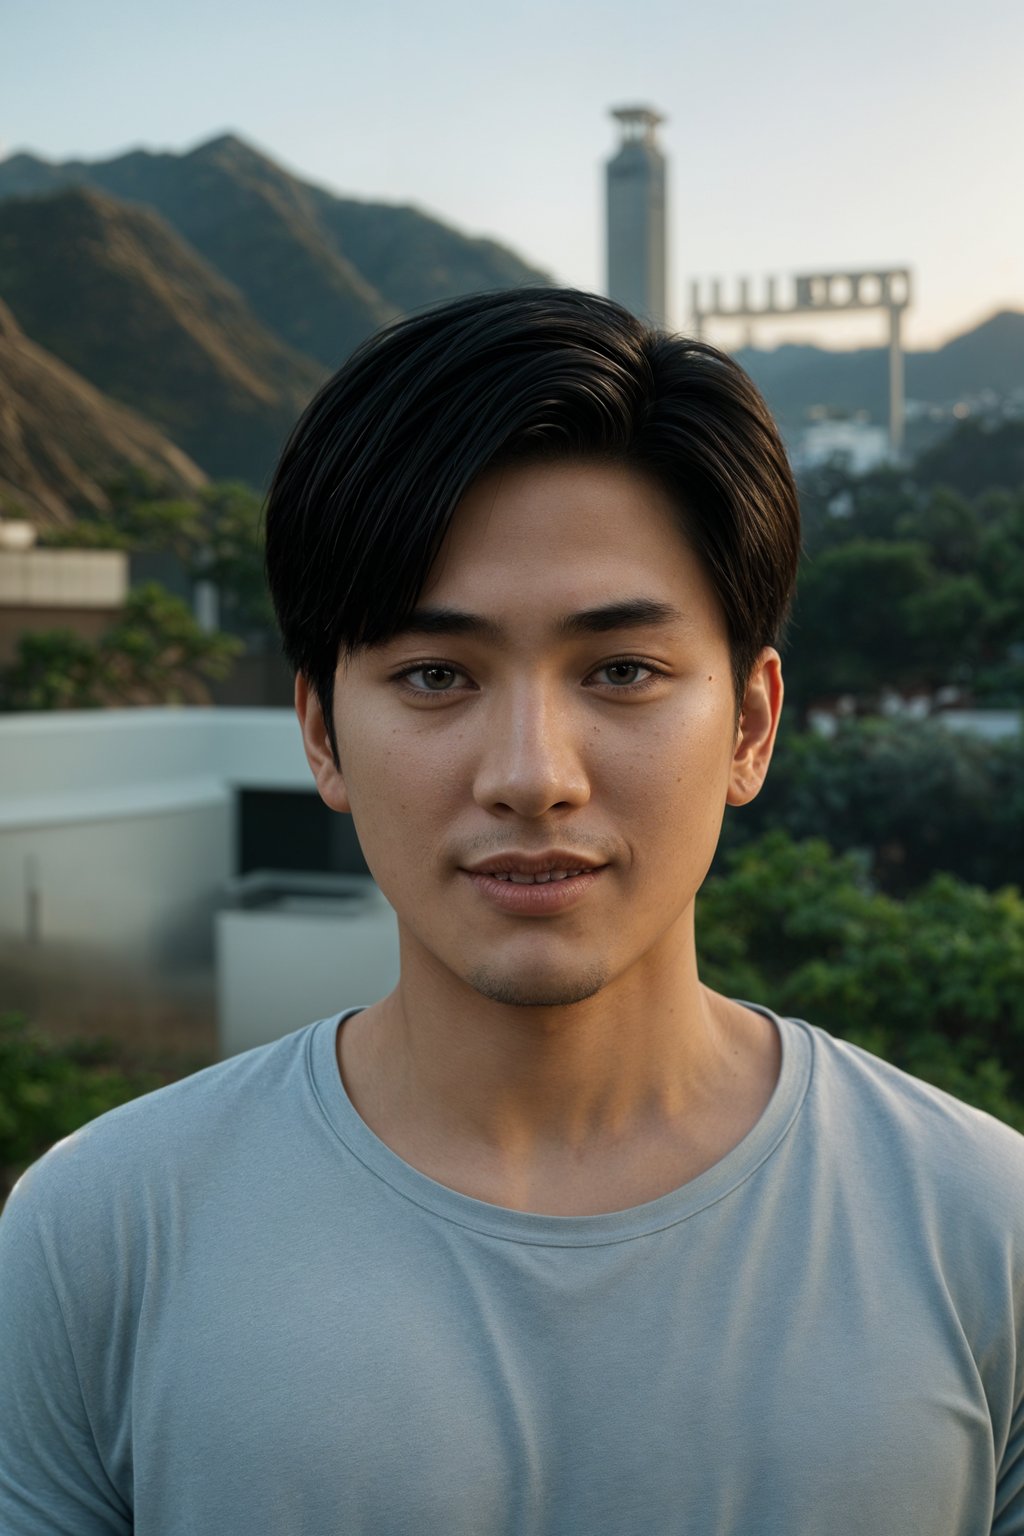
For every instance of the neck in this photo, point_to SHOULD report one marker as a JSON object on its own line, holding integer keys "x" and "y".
{"x": 451, "y": 1079}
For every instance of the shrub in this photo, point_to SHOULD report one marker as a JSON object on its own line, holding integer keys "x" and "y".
{"x": 48, "y": 1090}
{"x": 934, "y": 983}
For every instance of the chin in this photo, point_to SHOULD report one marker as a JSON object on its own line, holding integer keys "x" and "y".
{"x": 519, "y": 991}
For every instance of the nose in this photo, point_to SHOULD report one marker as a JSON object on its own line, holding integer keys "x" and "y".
{"x": 530, "y": 759}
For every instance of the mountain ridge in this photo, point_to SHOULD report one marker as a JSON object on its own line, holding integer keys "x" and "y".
{"x": 111, "y": 289}
{"x": 51, "y": 477}
{"x": 796, "y": 376}
{"x": 212, "y": 291}
{"x": 281, "y": 239}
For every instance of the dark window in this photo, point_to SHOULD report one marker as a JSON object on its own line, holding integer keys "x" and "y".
{"x": 293, "y": 829}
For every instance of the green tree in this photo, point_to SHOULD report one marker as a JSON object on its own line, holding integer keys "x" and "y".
{"x": 949, "y": 525}
{"x": 53, "y": 669}
{"x": 977, "y": 456}
{"x": 851, "y": 630}
{"x": 215, "y": 535}
{"x": 948, "y": 625}
{"x": 915, "y": 797}
{"x": 154, "y": 653}
{"x": 933, "y": 984}
{"x": 838, "y": 506}
{"x": 49, "y": 1090}
{"x": 865, "y": 621}
{"x": 233, "y": 553}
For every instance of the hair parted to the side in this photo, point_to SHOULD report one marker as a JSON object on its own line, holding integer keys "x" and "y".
{"x": 369, "y": 478}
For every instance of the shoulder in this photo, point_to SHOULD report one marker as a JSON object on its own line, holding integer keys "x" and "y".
{"x": 949, "y": 1150}
{"x": 163, "y": 1137}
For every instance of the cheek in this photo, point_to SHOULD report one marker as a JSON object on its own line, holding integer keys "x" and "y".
{"x": 674, "y": 787}
{"x": 404, "y": 794}
{"x": 691, "y": 747}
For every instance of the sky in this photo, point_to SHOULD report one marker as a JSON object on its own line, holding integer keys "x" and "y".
{"x": 800, "y": 136}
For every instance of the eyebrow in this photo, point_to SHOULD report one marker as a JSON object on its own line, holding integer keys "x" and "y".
{"x": 629, "y": 613}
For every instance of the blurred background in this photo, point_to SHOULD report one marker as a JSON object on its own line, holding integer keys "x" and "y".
{"x": 202, "y": 212}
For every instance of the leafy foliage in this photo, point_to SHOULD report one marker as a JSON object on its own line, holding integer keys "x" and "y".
{"x": 906, "y": 587}
{"x": 215, "y": 535}
{"x": 976, "y": 456}
{"x": 934, "y": 984}
{"x": 913, "y": 795}
{"x": 154, "y": 653}
{"x": 49, "y": 1090}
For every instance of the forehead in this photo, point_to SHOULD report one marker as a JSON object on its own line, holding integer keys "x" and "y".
{"x": 553, "y": 532}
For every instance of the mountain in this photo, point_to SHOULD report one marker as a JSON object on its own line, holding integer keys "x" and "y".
{"x": 116, "y": 294}
{"x": 991, "y": 356}
{"x": 794, "y": 378}
{"x": 321, "y": 271}
{"x": 61, "y": 439}
{"x": 415, "y": 259}
{"x": 213, "y": 291}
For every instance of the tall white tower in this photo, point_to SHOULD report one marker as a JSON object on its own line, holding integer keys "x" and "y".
{"x": 636, "y": 217}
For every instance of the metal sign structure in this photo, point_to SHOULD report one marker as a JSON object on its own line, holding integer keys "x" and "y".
{"x": 824, "y": 293}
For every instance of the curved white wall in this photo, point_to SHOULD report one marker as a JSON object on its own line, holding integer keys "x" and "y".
{"x": 116, "y": 841}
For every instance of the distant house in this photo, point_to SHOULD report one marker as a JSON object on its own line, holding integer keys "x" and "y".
{"x": 78, "y": 589}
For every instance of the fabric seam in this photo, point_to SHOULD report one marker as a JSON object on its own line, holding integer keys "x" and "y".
{"x": 539, "y": 1241}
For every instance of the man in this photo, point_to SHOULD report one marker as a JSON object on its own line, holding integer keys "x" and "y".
{"x": 553, "y": 1239}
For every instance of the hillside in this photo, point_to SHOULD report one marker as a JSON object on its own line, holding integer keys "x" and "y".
{"x": 991, "y": 356}
{"x": 115, "y": 293}
{"x": 414, "y": 258}
{"x": 61, "y": 440}
{"x": 323, "y": 272}
{"x": 794, "y": 378}
{"x": 212, "y": 292}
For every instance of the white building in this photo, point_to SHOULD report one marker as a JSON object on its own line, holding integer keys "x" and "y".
{"x": 173, "y": 875}
{"x": 862, "y": 443}
{"x": 82, "y": 590}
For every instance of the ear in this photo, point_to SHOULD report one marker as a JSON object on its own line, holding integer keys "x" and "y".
{"x": 759, "y": 722}
{"x": 329, "y": 781}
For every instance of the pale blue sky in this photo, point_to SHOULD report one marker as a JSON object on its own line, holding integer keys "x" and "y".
{"x": 800, "y": 135}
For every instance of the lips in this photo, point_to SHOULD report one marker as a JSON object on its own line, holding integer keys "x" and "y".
{"x": 559, "y": 862}
{"x": 535, "y": 895}
{"x": 539, "y": 879}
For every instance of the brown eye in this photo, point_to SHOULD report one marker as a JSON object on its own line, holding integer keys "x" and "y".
{"x": 623, "y": 666}
{"x": 431, "y": 674}
{"x": 629, "y": 664}
{"x": 431, "y": 671}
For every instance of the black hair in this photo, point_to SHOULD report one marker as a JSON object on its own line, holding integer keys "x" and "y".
{"x": 368, "y": 480}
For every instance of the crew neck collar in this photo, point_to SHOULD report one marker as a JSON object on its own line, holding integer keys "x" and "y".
{"x": 713, "y": 1184}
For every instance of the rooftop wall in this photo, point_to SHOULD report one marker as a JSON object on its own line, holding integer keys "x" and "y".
{"x": 117, "y": 841}
{"x": 55, "y": 578}
{"x": 75, "y": 765}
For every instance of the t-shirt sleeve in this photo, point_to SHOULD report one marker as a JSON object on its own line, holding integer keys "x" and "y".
{"x": 52, "y": 1477}
{"x": 1008, "y": 1510}
{"x": 1009, "y": 1505}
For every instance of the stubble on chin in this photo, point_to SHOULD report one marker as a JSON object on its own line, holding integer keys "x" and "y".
{"x": 518, "y": 991}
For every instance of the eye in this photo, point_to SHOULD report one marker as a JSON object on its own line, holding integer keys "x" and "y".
{"x": 437, "y": 677}
{"x": 630, "y": 664}
{"x": 428, "y": 669}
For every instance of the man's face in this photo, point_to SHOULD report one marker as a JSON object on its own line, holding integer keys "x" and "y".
{"x": 536, "y": 739}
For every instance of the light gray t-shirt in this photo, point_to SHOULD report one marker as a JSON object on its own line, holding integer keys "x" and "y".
{"x": 228, "y": 1307}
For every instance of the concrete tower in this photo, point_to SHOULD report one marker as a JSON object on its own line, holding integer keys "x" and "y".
{"x": 636, "y": 217}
